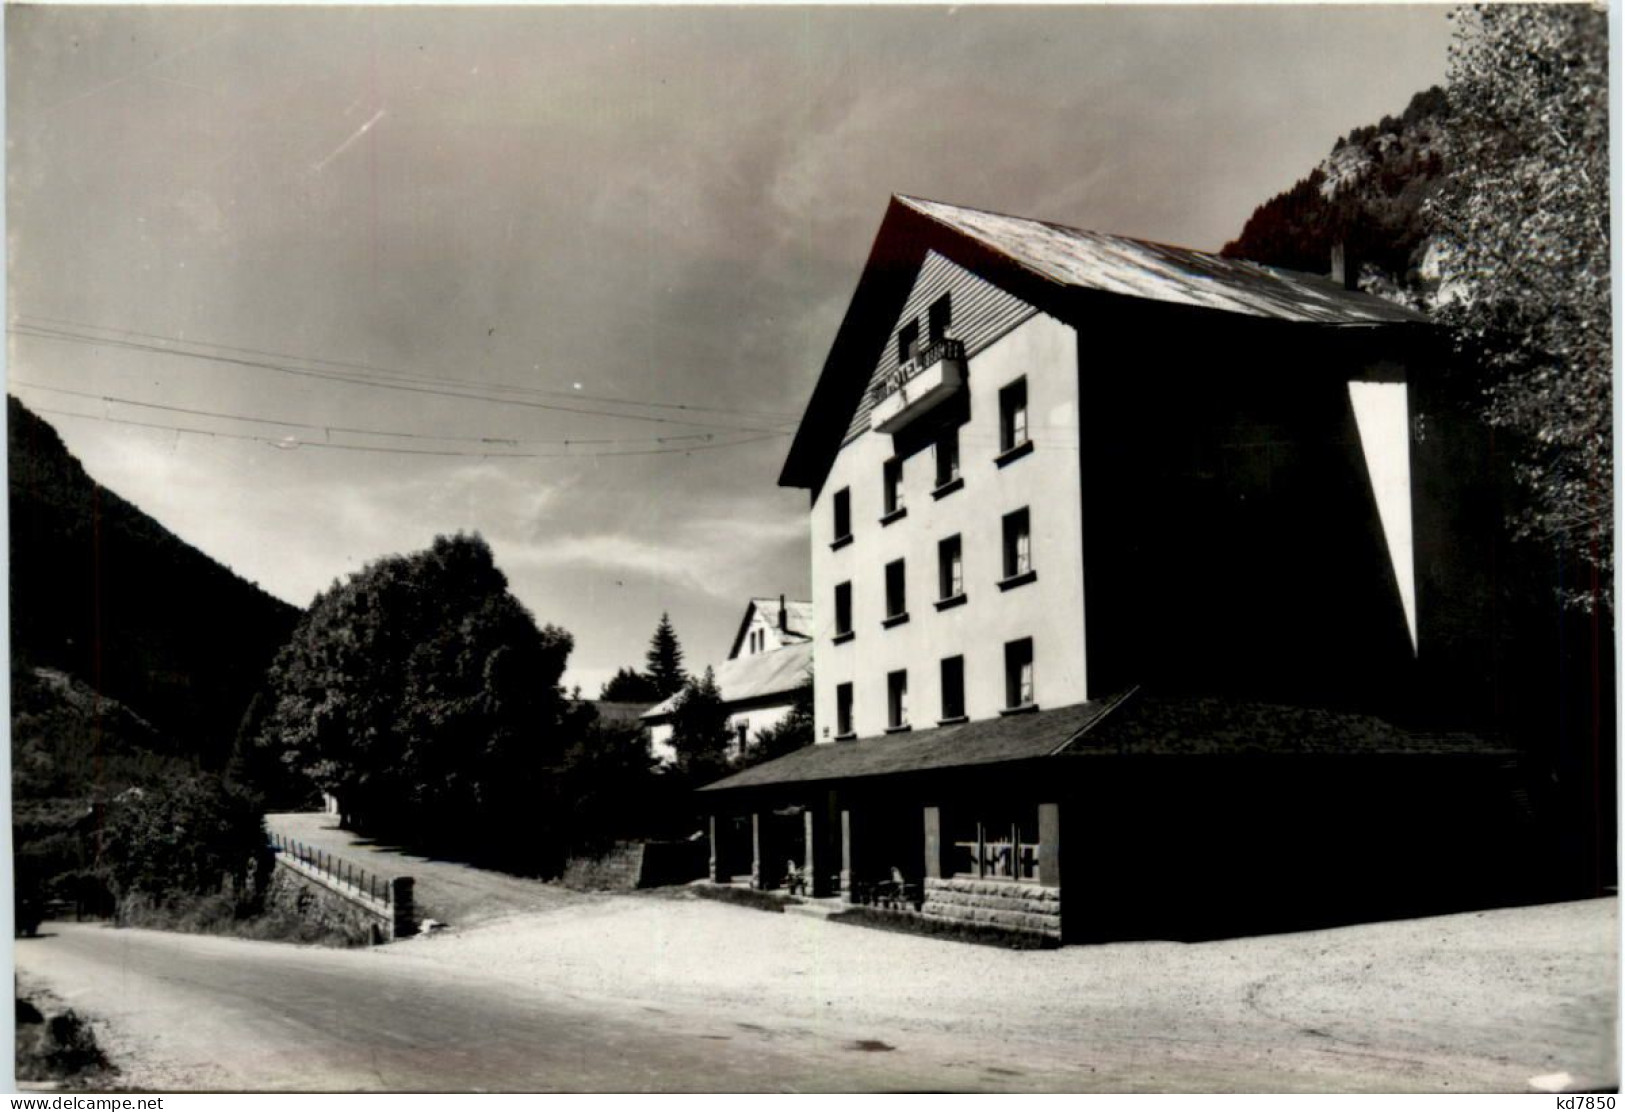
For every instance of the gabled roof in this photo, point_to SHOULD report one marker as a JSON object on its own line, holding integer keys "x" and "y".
{"x": 753, "y": 678}
{"x": 1158, "y": 272}
{"x": 1050, "y": 266}
{"x": 1131, "y": 724}
{"x": 798, "y": 621}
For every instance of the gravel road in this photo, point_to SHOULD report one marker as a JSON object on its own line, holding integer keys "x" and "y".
{"x": 663, "y": 992}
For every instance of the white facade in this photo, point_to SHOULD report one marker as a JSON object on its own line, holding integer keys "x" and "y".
{"x": 1045, "y": 481}
{"x": 744, "y": 725}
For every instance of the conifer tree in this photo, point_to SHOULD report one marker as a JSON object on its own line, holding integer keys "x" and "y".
{"x": 666, "y": 659}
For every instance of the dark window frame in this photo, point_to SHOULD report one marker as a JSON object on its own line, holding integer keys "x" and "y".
{"x": 897, "y": 700}
{"x": 896, "y": 599}
{"x": 1013, "y": 403}
{"x": 952, "y": 673}
{"x": 843, "y": 710}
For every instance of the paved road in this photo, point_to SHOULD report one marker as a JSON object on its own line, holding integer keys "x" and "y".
{"x": 190, "y": 1012}
{"x": 448, "y": 891}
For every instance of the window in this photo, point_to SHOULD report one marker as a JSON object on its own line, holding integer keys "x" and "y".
{"x": 1018, "y": 545}
{"x": 843, "y": 710}
{"x": 896, "y": 597}
{"x": 953, "y": 687}
{"x": 843, "y": 609}
{"x": 940, "y": 317}
{"x": 1018, "y": 674}
{"x": 897, "y": 700}
{"x": 907, "y": 337}
{"x": 947, "y": 453}
{"x": 742, "y": 732}
{"x": 843, "y": 514}
{"x": 1001, "y": 845}
{"x": 950, "y": 568}
{"x": 1013, "y": 415}
{"x": 892, "y": 480}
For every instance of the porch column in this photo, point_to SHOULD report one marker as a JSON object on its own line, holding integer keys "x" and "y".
{"x": 815, "y": 865}
{"x": 846, "y": 855}
{"x": 716, "y": 867}
{"x": 933, "y": 843}
{"x": 763, "y": 873}
{"x": 1049, "y": 844}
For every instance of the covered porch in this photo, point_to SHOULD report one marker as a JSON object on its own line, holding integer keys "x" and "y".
{"x": 956, "y": 823}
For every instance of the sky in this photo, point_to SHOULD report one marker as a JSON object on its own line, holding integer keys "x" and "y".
{"x": 632, "y": 229}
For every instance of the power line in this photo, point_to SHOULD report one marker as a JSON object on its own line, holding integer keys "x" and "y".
{"x": 285, "y": 445}
{"x": 374, "y": 369}
{"x": 352, "y": 429}
{"x": 130, "y": 345}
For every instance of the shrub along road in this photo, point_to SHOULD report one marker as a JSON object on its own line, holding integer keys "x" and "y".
{"x": 659, "y": 992}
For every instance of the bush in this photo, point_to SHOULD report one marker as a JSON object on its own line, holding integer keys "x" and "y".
{"x": 190, "y": 838}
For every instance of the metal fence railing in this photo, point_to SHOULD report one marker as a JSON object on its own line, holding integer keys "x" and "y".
{"x": 377, "y": 886}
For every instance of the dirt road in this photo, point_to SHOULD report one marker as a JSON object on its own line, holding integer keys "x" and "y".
{"x": 664, "y": 993}
{"x": 447, "y": 891}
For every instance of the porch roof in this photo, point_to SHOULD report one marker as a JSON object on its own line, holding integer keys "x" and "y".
{"x": 1013, "y": 737}
{"x": 1132, "y": 723}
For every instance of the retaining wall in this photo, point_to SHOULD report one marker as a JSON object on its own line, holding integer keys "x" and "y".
{"x": 340, "y": 907}
{"x": 630, "y": 865}
{"x": 994, "y": 903}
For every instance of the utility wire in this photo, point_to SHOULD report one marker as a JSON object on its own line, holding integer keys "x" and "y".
{"x": 376, "y": 370}
{"x": 352, "y": 429}
{"x": 131, "y": 345}
{"x": 285, "y": 445}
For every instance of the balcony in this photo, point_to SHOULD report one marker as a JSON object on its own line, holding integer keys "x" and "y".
{"x": 921, "y": 384}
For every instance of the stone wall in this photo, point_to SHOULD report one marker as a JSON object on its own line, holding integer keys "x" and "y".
{"x": 630, "y": 865}
{"x": 1007, "y": 904}
{"x": 337, "y": 907}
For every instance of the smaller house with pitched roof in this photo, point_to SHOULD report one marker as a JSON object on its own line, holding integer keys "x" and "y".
{"x": 770, "y": 660}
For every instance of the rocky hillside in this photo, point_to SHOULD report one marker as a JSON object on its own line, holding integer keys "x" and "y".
{"x": 102, "y": 593}
{"x": 1368, "y": 194}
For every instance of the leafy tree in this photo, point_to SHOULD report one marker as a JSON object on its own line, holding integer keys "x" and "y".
{"x": 192, "y": 836}
{"x": 700, "y": 734}
{"x": 610, "y": 785}
{"x": 666, "y": 659}
{"x": 627, "y": 686}
{"x": 423, "y": 696}
{"x": 1525, "y": 221}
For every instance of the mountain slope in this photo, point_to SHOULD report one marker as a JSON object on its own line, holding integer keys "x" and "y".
{"x": 102, "y": 592}
{"x": 1367, "y": 194}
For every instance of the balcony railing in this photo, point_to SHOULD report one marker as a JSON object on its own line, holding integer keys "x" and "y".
{"x": 924, "y": 359}
{"x": 917, "y": 386}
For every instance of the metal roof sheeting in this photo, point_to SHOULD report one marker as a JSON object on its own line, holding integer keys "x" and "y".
{"x": 1157, "y": 272}
{"x": 759, "y": 676}
{"x": 1130, "y": 724}
{"x": 982, "y": 314}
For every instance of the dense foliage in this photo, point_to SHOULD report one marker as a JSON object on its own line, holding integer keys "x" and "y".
{"x": 421, "y": 694}
{"x": 665, "y": 659}
{"x": 700, "y": 734}
{"x": 610, "y": 786}
{"x": 192, "y": 836}
{"x": 1525, "y": 222}
{"x": 628, "y": 686}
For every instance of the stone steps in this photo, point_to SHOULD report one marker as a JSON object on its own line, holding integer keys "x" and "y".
{"x": 817, "y": 909}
